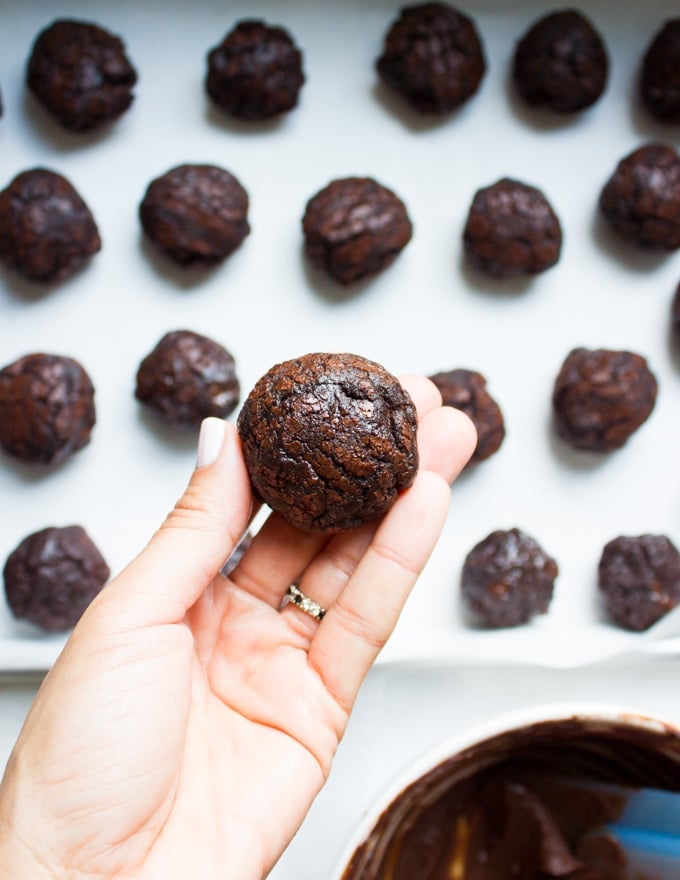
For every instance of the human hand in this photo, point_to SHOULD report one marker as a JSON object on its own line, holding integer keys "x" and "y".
{"x": 189, "y": 722}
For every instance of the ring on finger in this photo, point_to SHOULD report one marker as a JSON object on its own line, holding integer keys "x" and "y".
{"x": 295, "y": 596}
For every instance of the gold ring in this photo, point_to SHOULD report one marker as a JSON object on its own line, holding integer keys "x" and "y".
{"x": 304, "y": 603}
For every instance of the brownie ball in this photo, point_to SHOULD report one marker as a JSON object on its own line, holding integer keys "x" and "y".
{"x": 639, "y": 579}
{"x": 186, "y": 378}
{"x": 46, "y": 408}
{"x": 675, "y": 312}
{"x": 660, "y": 75}
{"x": 329, "y": 440}
{"x": 46, "y": 230}
{"x": 601, "y": 397}
{"x": 52, "y": 576}
{"x": 466, "y": 390}
{"x": 432, "y": 57}
{"x": 641, "y": 200}
{"x": 354, "y": 228}
{"x": 561, "y": 63}
{"x": 508, "y": 579}
{"x": 256, "y": 72}
{"x": 80, "y": 74}
{"x": 511, "y": 230}
{"x": 195, "y": 214}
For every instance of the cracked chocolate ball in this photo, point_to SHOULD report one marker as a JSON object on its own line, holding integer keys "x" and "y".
{"x": 256, "y": 72}
{"x": 46, "y": 408}
{"x": 80, "y": 74}
{"x": 660, "y": 74}
{"x": 639, "y": 580}
{"x": 52, "y": 576}
{"x": 432, "y": 57}
{"x": 354, "y": 228}
{"x": 186, "y": 378}
{"x": 195, "y": 214}
{"x": 561, "y": 63}
{"x": 601, "y": 398}
{"x": 675, "y": 313}
{"x": 511, "y": 230}
{"x": 641, "y": 200}
{"x": 47, "y": 231}
{"x": 508, "y": 579}
{"x": 466, "y": 390}
{"x": 329, "y": 440}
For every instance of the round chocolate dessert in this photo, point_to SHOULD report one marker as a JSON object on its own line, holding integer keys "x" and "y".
{"x": 52, "y": 576}
{"x": 512, "y": 230}
{"x": 466, "y": 390}
{"x": 601, "y": 397}
{"x": 432, "y": 57}
{"x": 46, "y": 230}
{"x": 354, "y": 228}
{"x": 80, "y": 74}
{"x": 329, "y": 440}
{"x": 195, "y": 214}
{"x": 660, "y": 75}
{"x": 508, "y": 579}
{"x": 186, "y": 378}
{"x": 641, "y": 200}
{"x": 561, "y": 63}
{"x": 256, "y": 72}
{"x": 46, "y": 408}
{"x": 639, "y": 579}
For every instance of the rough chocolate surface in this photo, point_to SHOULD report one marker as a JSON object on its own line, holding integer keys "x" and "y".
{"x": 561, "y": 63}
{"x": 195, "y": 214}
{"x": 46, "y": 230}
{"x": 80, "y": 74}
{"x": 256, "y": 72}
{"x": 354, "y": 228}
{"x": 52, "y": 576}
{"x": 432, "y": 57}
{"x": 512, "y": 230}
{"x": 329, "y": 440}
{"x": 601, "y": 397}
{"x": 46, "y": 408}
{"x": 508, "y": 579}
{"x": 639, "y": 579}
{"x": 641, "y": 200}
{"x": 660, "y": 74}
{"x": 186, "y": 378}
{"x": 466, "y": 390}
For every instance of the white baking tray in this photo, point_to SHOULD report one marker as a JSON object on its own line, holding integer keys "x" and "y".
{"x": 427, "y": 313}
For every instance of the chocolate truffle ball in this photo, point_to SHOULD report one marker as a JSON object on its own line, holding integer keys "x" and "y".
{"x": 508, "y": 579}
{"x": 511, "y": 230}
{"x": 195, "y": 214}
{"x": 354, "y": 228}
{"x": 329, "y": 440}
{"x": 256, "y": 72}
{"x": 80, "y": 74}
{"x": 601, "y": 397}
{"x": 52, "y": 576}
{"x": 46, "y": 408}
{"x": 660, "y": 75}
{"x": 561, "y": 63}
{"x": 46, "y": 230}
{"x": 641, "y": 200}
{"x": 466, "y": 390}
{"x": 432, "y": 57}
{"x": 675, "y": 312}
{"x": 639, "y": 579}
{"x": 186, "y": 378}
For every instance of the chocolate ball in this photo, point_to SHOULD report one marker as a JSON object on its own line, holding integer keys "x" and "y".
{"x": 52, "y": 576}
{"x": 660, "y": 74}
{"x": 46, "y": 408}
{"x": 329, "y": 440}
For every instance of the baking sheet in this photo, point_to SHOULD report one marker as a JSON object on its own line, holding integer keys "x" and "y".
{"x": 427, "y": 313}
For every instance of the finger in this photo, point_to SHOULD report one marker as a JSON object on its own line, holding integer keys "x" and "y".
{"x": 424, "y": 394}
{"x": 446, "y": 440}
{"x": 363, "y": 616}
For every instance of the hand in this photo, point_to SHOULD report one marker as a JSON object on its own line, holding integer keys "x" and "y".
{"x": 189, "y": 723}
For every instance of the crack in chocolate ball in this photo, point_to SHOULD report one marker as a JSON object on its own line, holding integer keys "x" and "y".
{"x": 329, "y": 440}
{"x": 660, "y": 74}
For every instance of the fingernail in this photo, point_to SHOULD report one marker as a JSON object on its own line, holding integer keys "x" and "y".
{"x": 210, "y": 441}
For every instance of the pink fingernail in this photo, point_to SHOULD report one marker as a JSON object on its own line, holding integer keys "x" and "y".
{"x": 210, "y": 441}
